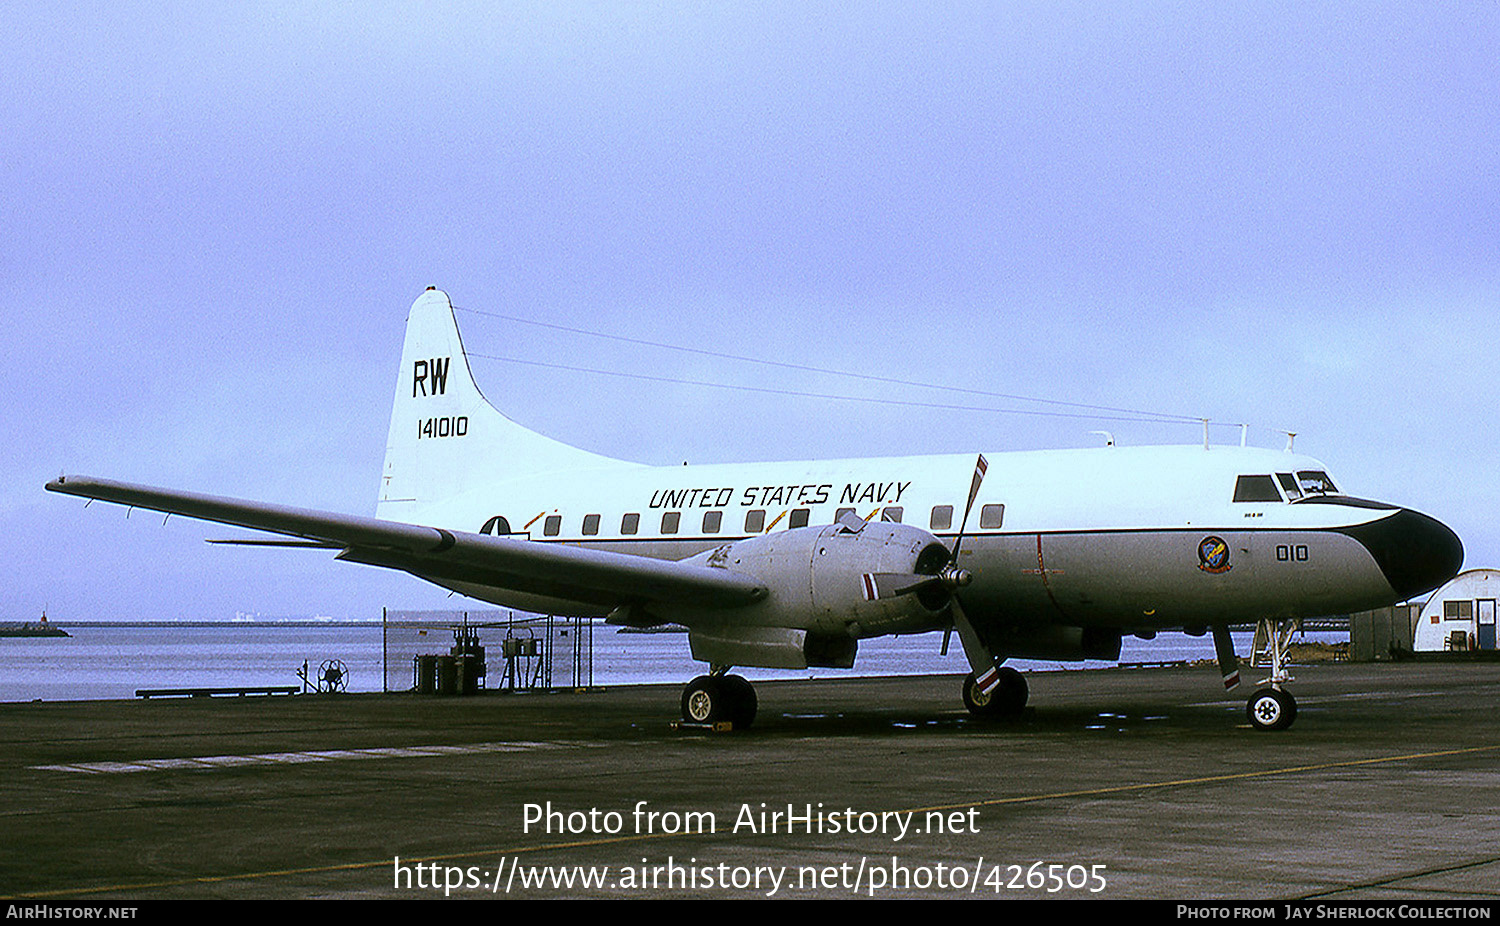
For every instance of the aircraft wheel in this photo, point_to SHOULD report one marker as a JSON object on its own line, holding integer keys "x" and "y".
{"x": 704, "y": 700}
{"x": 742, "y": 700}
{"x": 1006, "y": 700}
{"x": 717, "y": 698}
{"x": 1271, "y": 709}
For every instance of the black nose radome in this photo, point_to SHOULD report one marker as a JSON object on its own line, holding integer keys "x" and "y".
{"x": 1416, "y": 553}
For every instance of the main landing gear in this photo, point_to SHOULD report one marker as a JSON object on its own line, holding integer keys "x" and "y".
{"x": 1008, "y": 698}
{"x": 719, "y": 697}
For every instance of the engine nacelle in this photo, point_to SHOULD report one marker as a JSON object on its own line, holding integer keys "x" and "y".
{"x": 818, "y": 596}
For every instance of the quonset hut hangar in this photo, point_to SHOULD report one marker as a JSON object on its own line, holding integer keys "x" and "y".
{"x": 1460, "y": 616}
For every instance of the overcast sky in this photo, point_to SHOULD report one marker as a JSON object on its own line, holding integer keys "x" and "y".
{"x": 217, "y": 217}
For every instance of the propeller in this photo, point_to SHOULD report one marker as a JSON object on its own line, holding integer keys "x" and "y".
{"x": 939, "y": 583}
{"x": 981, "y": 660}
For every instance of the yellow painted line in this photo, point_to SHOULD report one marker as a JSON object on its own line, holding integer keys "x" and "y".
{"x": 642, "y": 837}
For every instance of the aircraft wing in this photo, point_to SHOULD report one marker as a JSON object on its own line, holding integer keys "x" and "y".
{"x": 593, "y": 577}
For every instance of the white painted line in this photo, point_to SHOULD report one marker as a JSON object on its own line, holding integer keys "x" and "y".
{"x": 202, "y": 763}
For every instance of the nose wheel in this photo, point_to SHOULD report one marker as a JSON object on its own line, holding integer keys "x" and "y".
{"x": 1271, "y": 709}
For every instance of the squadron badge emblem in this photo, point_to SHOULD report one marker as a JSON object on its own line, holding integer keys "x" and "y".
{"x": 1213, "y": 555}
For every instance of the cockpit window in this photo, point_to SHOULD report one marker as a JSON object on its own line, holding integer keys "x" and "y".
{"x": 1316, "y": 483}
{"x": 1289, "y": 485}
{"x": 1256, "y": 489}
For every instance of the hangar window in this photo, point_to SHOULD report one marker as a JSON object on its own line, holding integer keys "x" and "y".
{"x": 1256, "y": 489}
{"x": 630, "y": 523}
{"x": 798, "y": 518}
{"x": 1316, "y": 483}
{"x": 991, "y": 516}
{"x": 891, "y": 513}
{"x": 669, "y": 521}
{"x": 553, "y": 525}
{"x": 755, "y": 521}
{"x": 1289, "y": 485}
{"x": 942, "y": 517}
{"x": 711, "y": 521}
{"x": 1458, "y": 610}
{"x": 590, "y": 525}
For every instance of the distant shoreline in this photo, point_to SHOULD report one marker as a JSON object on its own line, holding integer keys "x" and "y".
{"x": 295, "y": 622}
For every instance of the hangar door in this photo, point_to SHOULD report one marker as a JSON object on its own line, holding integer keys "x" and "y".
{"x": 1486, "y": 623}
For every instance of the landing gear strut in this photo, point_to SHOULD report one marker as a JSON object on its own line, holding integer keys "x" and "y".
{"x": 1008, "y": 698}
{"x": 718, "y": 697}
{"x": 1272, "y": 707}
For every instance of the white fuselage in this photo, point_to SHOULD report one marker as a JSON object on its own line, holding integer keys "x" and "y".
{"x": 1105, "y": 537}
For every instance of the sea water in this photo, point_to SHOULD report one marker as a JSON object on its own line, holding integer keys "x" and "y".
{"x": 113, "y": 660}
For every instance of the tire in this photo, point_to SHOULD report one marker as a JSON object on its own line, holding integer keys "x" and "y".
{"x": 1271, "y": 709}
{"x": 1008, "y": 698}
{"x": 704, "y": 700}
{"x": 742, "y": 701}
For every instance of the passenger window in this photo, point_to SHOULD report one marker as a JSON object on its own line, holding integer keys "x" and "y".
{"x": 891, "y": 513}
{"x": 942, "y": 517}
{"x": 552, "y": 525}
{"x": 839, "y": 514}
{"x": 1289, "y": 485}
{"x": 755, "y": 521}
{"x": 991, "y": 516}
{"x": 630, "y": 524}
{"x": 711, "y": 521}
{"x": 590, "y": 525}
{"x": 669, "y": 521}
{"x": 1256, "y": 489}
{"x": 798, "y": 518}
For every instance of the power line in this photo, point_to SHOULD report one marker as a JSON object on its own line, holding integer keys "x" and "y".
{"x": 1136, "y": 414}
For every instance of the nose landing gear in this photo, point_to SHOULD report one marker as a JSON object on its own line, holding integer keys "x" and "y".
{"x": 1272, "y": 707}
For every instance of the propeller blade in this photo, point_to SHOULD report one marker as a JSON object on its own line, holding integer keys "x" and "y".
{"x": 981, "y": 660}
{"x": 979, "y": 469}
{"x": 879, "y": 585}
{"x": 1229, "y": 663}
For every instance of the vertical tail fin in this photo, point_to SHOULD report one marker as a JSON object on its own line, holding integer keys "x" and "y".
{"x": 445, "y": 437}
